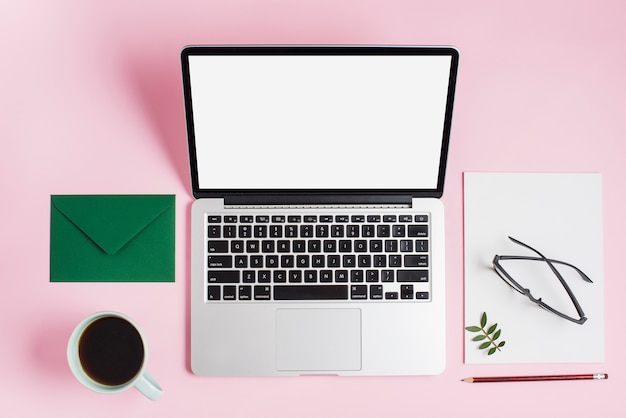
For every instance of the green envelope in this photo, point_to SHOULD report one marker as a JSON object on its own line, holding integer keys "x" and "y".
{"x": 112, "y": 238}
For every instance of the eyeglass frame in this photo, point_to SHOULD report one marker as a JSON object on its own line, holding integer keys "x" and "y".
{"x": 506, "y": 277}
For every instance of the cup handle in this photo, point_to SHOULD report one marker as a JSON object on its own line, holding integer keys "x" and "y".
{"x": 148, "y": 386}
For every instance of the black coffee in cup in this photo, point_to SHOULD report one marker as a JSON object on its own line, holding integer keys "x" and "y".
{"x": 111, "y": 351}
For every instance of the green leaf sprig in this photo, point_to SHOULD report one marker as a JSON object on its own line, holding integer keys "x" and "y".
{"x": 489, "y": 335}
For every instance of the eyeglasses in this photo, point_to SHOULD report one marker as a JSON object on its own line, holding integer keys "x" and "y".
{"x": 506, "y": 277}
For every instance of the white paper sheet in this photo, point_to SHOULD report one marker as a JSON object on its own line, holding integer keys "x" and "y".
{"x": 560, "y": 215}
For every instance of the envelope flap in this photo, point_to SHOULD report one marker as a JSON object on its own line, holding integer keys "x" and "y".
{"x": 111, "y": 221}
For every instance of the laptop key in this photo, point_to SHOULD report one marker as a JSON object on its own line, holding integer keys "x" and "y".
{"x": 249, "y": 276}
{"x": 220, "y": 261}
{"x": 241, "y": 261}
{"x": 387, "y": 276}
{"x": 321, "y": 231}
{"x": 310, "y": 276}
{"x": 223, "y": 276}
{"x": 356, "y": 276}
{"x": 280, "y": 276}
{"x": 398, "y": 231}
{"x": 395, "y": 260}
{"x": 371, "y": 276}
{"x": 245, "y": 231}
{"x": 214, "y": 231}
{"x": 260, "y": 231}
{"x": 262, "y": 292}
{"x": 286, "y": 261}
{"x": 264, "y": 276}
{"x": 406, "y": 291}
{"x": 236, "y": 246}
{"x": 345, "y": 246}
{"x": 310, "y": 292}
{"x": 358, "y": 292}
{"x": 267, "y": 246}
{"x": 383, "y": 230}
{"x": 337, "y": 231}
{"x": 360, "y": 245}
{"x": 326, "y": 276}
{"x": 230, "y": 293}
{"x": 341, "y": 276}
{"x": 412, "y": 276}
{"x": 245, "y": 292}
{"x": 416, "y": 261}
{"x": 418, "y": 230}
{"x": 376, "y": 291}
{"x": 218, "y": 247}
{"x": 376, "y": 246}
{"x": 276, "y": 231}
{"x": 295, "y": 276}
{"x": 213, "y": 293}
{"x": 318, "y": 261}
{"x": 230, "y": 231}
{"x": 252, "y": 246}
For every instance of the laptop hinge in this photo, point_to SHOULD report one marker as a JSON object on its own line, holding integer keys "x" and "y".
{"x": 299, "y": 200}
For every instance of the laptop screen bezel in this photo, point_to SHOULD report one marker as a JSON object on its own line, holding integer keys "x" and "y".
{"x": 327, "y": 196}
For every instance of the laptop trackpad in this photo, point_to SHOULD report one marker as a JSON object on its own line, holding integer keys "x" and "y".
{"x": 318, "y": 339}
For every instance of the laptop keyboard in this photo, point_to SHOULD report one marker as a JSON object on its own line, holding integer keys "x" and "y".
{"x": 369, "y": 257}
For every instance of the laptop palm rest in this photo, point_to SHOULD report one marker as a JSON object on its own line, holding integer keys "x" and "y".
{"x": 312, "y": 340}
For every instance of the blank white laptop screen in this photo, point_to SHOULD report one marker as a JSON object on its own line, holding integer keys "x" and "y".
{"x": 319, "y": 121}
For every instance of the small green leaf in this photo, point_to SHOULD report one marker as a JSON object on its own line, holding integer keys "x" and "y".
{"x": 473, "y": 329}
{"x": 484, "y": 345}
{"x": 488, "y": 336}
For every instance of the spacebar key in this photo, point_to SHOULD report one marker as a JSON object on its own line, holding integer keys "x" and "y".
{"x": 311, "y": 292}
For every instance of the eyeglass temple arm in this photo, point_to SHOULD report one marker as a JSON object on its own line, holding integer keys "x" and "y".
{"x": 521, "y": 257}
{"x": 579, "y": 309}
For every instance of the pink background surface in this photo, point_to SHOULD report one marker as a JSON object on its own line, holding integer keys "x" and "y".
{"x": 91, "y": 102}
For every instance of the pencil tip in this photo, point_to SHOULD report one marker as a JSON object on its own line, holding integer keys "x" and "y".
{"x": 468, "y": 380}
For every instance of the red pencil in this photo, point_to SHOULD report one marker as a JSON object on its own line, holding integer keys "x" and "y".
{"x": 595, "y": 376}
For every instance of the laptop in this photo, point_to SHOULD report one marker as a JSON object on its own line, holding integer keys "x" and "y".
{"x": 317, "y": 233}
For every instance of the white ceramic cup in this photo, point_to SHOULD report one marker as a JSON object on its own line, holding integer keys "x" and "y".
{"x": 141, "y": 379}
